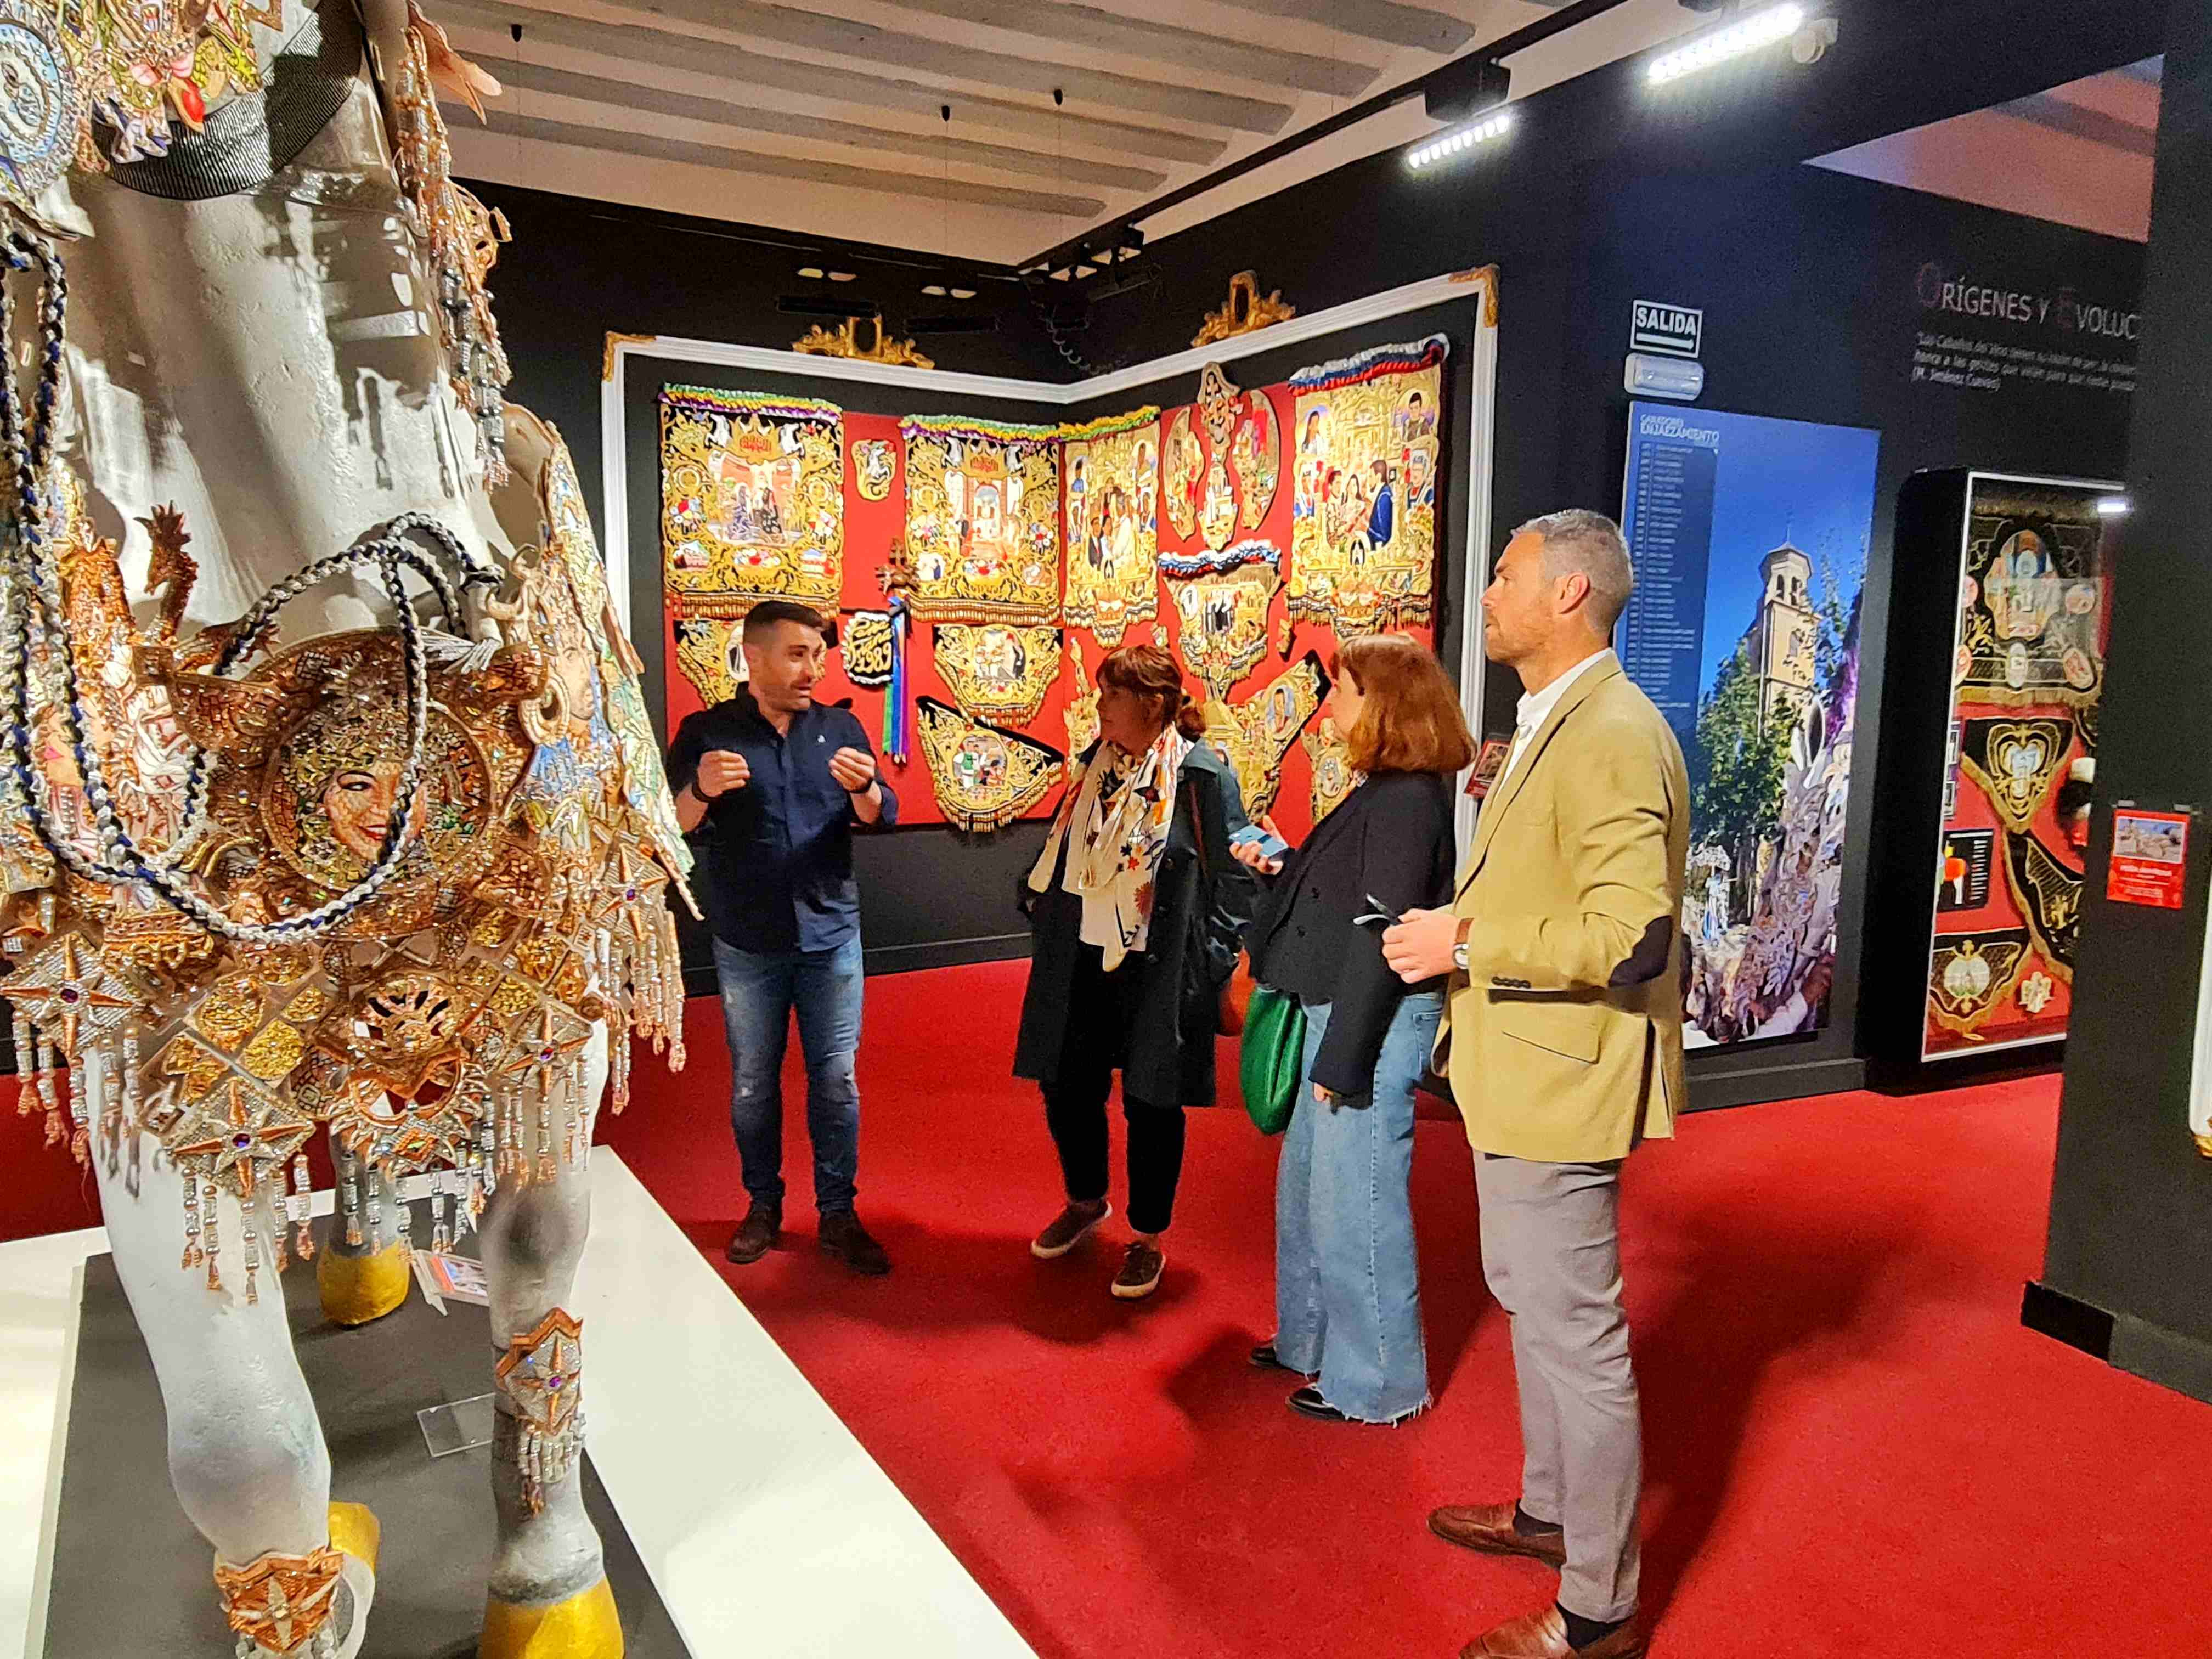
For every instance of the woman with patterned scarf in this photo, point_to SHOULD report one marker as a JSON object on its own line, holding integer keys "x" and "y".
{"x": 1137, "y": 908}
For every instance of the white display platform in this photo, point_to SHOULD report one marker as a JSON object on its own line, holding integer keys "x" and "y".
{"x": 766, "y": 1527}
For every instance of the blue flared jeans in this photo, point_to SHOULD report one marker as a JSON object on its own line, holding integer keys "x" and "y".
{"x": 1347, "y": 1282}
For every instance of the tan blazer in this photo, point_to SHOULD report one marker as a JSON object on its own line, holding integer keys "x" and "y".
{"x": 1563, "y": 1040}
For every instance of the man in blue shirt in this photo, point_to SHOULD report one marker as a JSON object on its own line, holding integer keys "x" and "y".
{"x": 770, "y": 786}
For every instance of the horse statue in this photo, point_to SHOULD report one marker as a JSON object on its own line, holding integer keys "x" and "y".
{"x": 334, "y": 807}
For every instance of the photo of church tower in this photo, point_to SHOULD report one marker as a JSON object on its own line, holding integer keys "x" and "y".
{"x": 1782, "y": 644}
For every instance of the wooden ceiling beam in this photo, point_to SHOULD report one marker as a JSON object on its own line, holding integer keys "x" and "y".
{"x": 616, "y": 43}
{"x": 729, "y": 159}
{"x": 620, "y": 95}
{"x": 1385, "y": 21}
{"x": 868, "y": 43}
{"x": 1189, "y": 49}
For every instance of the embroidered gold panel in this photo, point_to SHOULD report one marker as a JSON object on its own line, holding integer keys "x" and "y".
{"x": 2033, "y": 600}
{"x": 996, "y": 673}
{"x": 1334, "y": 775}
{"x": 2016, "y": 762}
{"x": 1254, "y": 735}
{"x": 707, "y": 655}
{"x": 875, "y": 464}
{"x": 1221, "y": 609}
{"x": 752, "y": 499}
{"x": 1255, "y": 456}
{"x": 1112, "y": 469}
{"x": 1364, "y": 502}
{"x": 1970, "y": 975}
{"x": 982, "y": 520}
{"x": 984, "y": 776}
{"x": 1183, "y": 463}
{"x": 1081, "y": 714}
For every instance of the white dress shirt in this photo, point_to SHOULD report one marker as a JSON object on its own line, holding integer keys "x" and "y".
{"x": 1535, "y": 708}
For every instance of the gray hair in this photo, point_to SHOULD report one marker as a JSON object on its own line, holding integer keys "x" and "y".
{"x": 1578, "y": 542}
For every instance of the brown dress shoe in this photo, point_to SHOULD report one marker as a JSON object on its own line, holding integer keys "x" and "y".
{"x": 1489, "y": 1527}
{"x": 1544, "y": 1635}
{"x": 844, "y": 1239}
{"x": 755, "y": 1235}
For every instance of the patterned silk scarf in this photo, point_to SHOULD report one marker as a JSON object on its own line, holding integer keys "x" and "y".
{"x": 1115, "y": 854}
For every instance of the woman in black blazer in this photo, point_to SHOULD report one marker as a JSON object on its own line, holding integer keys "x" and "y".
{"x": 1347, "y": 1287}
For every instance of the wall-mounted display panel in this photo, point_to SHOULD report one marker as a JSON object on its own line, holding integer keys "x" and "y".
{"x": 1749, "y": 536}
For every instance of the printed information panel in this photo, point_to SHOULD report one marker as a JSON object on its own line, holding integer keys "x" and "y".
{"x": 1750, "y": 538}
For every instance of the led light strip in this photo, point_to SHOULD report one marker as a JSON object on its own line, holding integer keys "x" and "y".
{"x": 1480, "y": 132}
{"x": 1762, "y": 30}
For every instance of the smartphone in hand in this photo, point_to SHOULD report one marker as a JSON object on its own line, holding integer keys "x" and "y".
{"x": 1271, "y": 847}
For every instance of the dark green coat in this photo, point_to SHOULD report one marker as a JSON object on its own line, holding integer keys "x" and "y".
{"x": 1200, "y": 909}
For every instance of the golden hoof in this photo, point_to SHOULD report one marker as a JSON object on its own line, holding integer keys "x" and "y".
{"x": 355, "y": 1532}
{"x": 584, "y": 1626}
{"x": 356, "y": 1289}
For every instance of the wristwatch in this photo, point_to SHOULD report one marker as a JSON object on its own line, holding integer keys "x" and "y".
{"x": 1459, "y": 956}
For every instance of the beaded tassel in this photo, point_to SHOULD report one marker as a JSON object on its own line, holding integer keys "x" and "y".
{"x": 350, "y": 1198}
{"x": 27, "y": 1049}
{"x": 42, "y": 1067}
{"x": 403, "y": 1222}
{"x": 303, "y": 1188}
{"x": 131, "y": 1101}
{"x": 193, "y": 1257}
{"x": 441, "y": 1229}
{"x": 546, "y": 1170}
{"x": 208, "y": 1236}
{"x": 80, "y": 1111}
{"x": 252, "y": 1256}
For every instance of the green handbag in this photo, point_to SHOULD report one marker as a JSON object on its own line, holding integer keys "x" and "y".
{"x": 1271, "y": 1060}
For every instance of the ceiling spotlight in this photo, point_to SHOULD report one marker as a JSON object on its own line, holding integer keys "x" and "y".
{"x": 2114, "y": 507}
{"x": 1062, "y": 274}
{"x": 813, "y": 273}
{"x": 1129, "y": 242}
{"x": 1465, "y": 138}
{"x": 1761, "y": 28}
{"x": 1086, "y": 270}
{"x": 842, "y": 276}
{"x": 959, "y": 293}
{"x": 935, "y": 291}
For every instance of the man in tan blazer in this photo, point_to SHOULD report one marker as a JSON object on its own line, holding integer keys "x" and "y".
{"x": 1563, "y": 1040}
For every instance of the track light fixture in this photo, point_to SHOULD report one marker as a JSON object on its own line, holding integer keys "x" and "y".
{"x": 1446, "y": 145}
{"x": 1761, "y": 28}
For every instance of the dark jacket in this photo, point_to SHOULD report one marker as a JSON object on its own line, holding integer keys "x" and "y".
{"x": 1391, "y": 838}
{"x": 1199, "y": 909}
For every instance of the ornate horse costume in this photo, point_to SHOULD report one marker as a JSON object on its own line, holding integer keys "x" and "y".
{"x": 334, "y": 802}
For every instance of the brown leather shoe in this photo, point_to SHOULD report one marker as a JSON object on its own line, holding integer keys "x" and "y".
{"x": 844, "y": 1239}
{"x": 1544, "y": 1635}
{"x": 1489, "y": 1527}
{"x": 755, "y": 1235}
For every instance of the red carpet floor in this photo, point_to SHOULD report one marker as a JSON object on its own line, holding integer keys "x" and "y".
{"x": 1853, "y": 1447}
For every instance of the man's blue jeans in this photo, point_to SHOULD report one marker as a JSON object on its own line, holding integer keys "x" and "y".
{"x": 1347, "y": 1282}
{"x": 759, "y": 992}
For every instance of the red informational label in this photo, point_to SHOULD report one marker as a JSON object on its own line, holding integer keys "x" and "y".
{"x": 2150, "y": 856}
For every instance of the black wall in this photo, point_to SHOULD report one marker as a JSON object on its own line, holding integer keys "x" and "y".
{"x": 2129, "y": 1269}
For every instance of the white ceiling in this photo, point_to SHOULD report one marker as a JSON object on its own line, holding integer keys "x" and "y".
{"x": 2080, "y": 154}
{"x": 824, "y": 120}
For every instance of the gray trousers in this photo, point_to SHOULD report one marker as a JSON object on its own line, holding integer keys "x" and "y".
{"x": 1551, "y": 1249}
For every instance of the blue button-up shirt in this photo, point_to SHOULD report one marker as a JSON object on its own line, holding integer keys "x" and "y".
{"x": 777, "y": 854}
